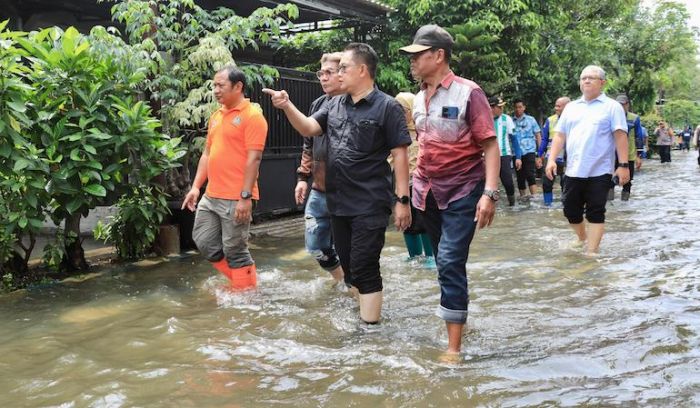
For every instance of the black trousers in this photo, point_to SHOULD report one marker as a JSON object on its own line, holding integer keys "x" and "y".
{"x": 359, "y": 241}
{"x": 665, "y": 154}
{"x": 507, "y": 175}
{"x": 526, "y": 172}
{"x": 586, "y": 195}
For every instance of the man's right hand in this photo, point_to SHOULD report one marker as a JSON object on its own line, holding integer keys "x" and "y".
{"x": 191, "y": 199}
{"x": 280, "y": 99}
{"x": 518, "y": 164}
{"x": 300, "y": 192}
{"x": 538, "y": 162}
{"x": 551, "y": 169}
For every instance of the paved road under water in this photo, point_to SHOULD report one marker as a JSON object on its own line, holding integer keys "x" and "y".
{"x": 547, "y": 325}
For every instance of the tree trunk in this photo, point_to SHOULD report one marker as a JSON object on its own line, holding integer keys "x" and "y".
{"x": 75, "y": 255}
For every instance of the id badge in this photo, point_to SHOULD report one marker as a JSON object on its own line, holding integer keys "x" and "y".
{"x": 450, "y": 112}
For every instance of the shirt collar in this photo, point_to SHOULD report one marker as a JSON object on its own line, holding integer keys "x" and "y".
{"x": 600, "y": 98}
{"x": 369, "y": 98}
{"x": 446, "y": 81}
{"x": 240, "y": 107}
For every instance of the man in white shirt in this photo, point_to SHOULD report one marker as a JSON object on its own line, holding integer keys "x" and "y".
{"x": 593, "y": 127}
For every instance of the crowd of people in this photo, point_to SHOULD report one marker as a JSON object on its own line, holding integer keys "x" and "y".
{"x": 433, "y": 159}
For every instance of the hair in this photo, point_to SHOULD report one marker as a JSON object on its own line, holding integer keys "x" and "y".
{"x": 331, "y": 57}
{"x": 448, "y": 54}
{"x": 517, "y": 101}
{"x": 601, "y": 71}
{"x": 234, "y": 75}
{"x": 366, "y": 54}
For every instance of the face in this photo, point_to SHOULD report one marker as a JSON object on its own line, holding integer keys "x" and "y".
{"x": 328, "y": 75}
{"x": 625, "y": 106}
{"x": 422, "y": 63}
{"x": 225, "y": 92}
{"x": 496, "y": 110}
{"x": 559, "y": 106}
{"x": 591, "y": 83}
{"x": 350, "y": 72}
{"x": 519, "y": 109}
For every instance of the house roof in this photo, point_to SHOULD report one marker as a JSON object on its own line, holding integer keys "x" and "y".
{"x": 86, "y": 13}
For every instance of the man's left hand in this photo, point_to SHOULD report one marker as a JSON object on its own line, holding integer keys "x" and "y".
{"x": 624, "y": 174}
{"x": 402, "y": 216}
{"x": 485, "y": 210}
{"x": 243, "y": 212}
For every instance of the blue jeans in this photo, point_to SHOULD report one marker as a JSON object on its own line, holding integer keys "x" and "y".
{"x": 318, "y": 236}
{"x": 451, "y": 231}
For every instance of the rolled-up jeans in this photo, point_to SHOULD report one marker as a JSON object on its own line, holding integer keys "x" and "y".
{"x": 217, "y": 234}
{"x": 318, "y": 236}
{"x": 451, "y": 231}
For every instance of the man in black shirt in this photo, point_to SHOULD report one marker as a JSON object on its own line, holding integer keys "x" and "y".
{"x": 363, "y": 127}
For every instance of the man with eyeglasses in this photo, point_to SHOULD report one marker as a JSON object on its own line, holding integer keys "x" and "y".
{"x": 363, "y": 127}
{"x": 593, "y": 128}
{"x": 318, "y": 236}
{"x": 455, "y": 184}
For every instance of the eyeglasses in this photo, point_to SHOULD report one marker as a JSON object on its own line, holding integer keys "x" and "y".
{"x": 325, "y": 73}
{"x": 342, "y": 68}
{"x": 589, "y": 78}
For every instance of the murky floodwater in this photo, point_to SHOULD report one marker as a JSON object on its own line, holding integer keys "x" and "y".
{"x": 547, "y": 326}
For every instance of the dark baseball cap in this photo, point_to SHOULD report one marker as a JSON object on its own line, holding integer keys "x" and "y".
{"x": 427, "y": 37}
{"x": 496, "y": 101}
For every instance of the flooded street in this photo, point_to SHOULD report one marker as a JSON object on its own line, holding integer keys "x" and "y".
{"x": 547, "y": 326}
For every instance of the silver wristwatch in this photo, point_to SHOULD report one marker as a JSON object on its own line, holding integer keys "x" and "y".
{"x": 492, "y": 194}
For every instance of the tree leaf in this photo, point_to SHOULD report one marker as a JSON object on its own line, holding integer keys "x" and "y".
{"x": 73, "y": 205}
{"x": 96, "y": 190}
{"x": 17, "y": 106}
{"x": 20, "y": 165}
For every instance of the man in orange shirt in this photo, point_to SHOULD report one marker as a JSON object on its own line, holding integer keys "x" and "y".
{"x": 230, "y": 161}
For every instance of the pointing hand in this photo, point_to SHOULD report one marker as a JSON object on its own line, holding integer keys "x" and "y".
{"x": 280, "y": 99}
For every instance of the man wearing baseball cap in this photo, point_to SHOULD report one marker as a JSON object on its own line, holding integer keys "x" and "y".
{"x": 453, "y": 186}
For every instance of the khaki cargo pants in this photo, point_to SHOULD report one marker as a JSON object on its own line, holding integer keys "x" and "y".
{"x": 217, "y": 234}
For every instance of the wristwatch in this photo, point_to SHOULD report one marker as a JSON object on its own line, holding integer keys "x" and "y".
{"x": 492, "y": 194}
{"x": 623, "y": 165}
{"x": 246, "y": 195}
{"x": 403, "y": 199}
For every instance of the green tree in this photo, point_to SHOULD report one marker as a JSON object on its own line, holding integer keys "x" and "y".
{"x": 185, "y": 44}
{"x": 22, "y": 171}
{"x": 648, "y": 42}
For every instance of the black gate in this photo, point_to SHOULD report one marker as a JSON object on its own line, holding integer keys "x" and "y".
{"x": 283, "y": 148}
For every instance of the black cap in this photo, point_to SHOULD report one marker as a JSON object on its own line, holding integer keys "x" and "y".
{"x": 427, "y": 37}
{"x": 496, "y": 101}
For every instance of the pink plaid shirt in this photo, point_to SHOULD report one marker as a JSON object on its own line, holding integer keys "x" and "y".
{"x": 451, "y": 126}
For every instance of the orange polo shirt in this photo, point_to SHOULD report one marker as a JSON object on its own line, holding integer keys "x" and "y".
{"x": 232, "y": 133}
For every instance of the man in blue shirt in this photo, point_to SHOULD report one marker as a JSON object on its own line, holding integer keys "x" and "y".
{"x": 593, "y": 128}
{"x": 528, "y": 133}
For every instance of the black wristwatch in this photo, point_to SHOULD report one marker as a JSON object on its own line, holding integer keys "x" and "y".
{"x": 246, "y": 195}
{"x": 403, "y": 199}
{"x": 623, "y": 165}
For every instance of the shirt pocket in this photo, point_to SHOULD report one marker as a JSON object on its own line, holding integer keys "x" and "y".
{"x": 366, "y": 135}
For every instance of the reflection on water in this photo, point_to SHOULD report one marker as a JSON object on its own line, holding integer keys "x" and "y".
{"x": 547, "y": 326}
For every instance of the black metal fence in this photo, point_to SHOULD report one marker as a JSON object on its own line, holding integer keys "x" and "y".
{"x": 283, "y": 148}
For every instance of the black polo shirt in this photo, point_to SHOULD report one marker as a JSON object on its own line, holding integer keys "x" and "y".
{"x": 361, "y": 136}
